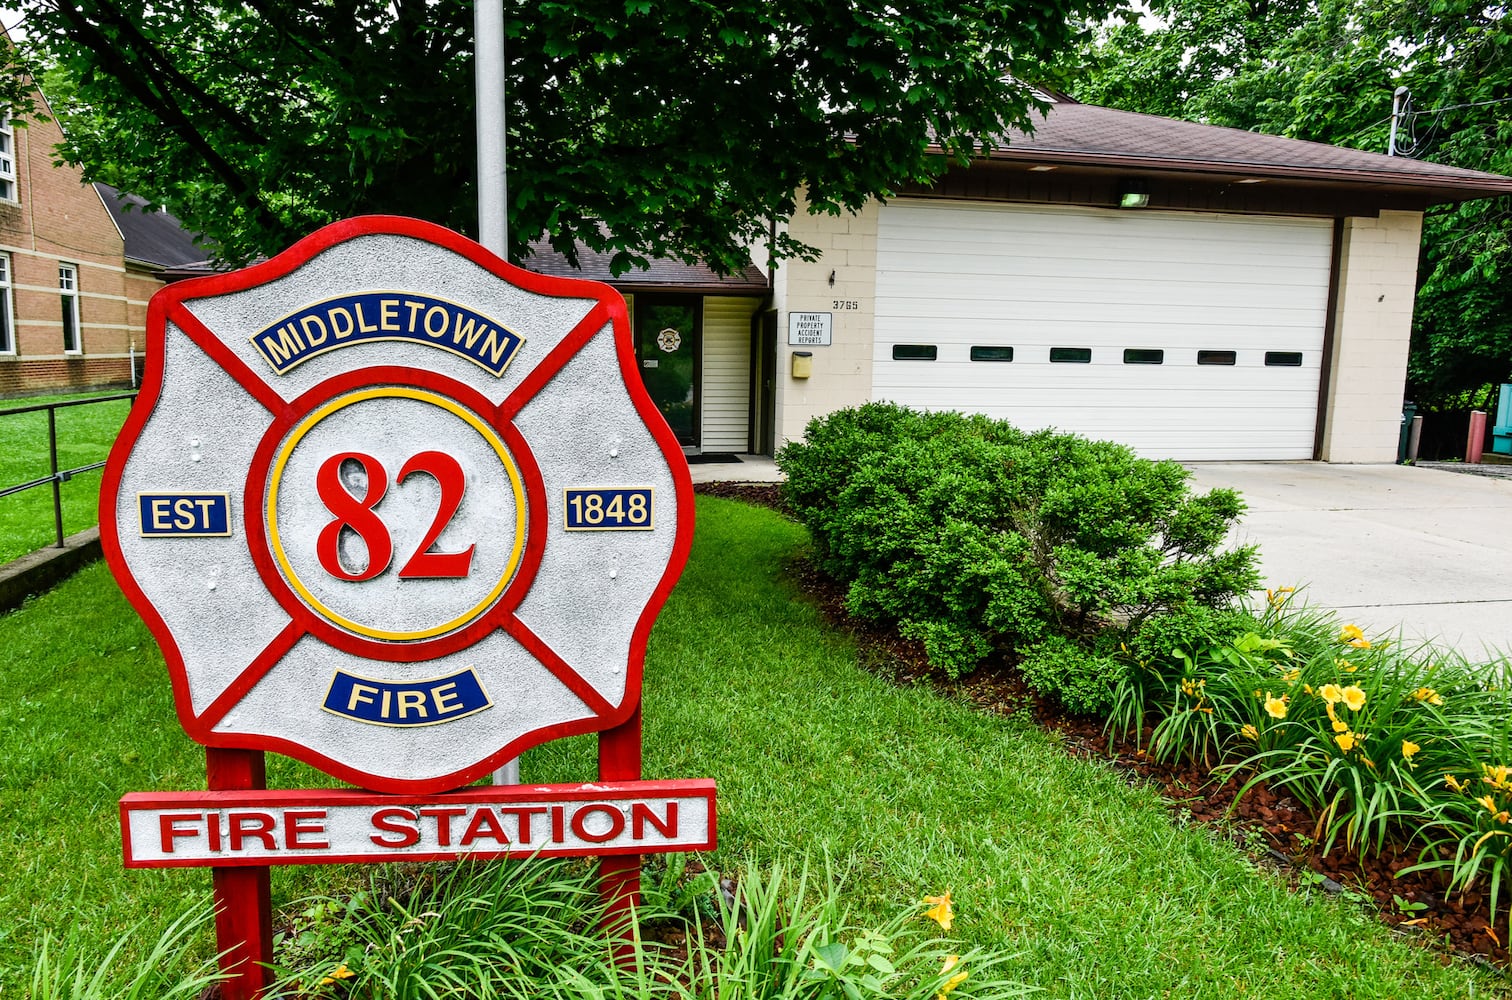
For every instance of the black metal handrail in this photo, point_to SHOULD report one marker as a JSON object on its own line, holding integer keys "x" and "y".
{"x": 57, "y": 477}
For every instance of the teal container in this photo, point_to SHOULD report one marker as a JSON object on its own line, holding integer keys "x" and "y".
{"x": 1501, "y": 434}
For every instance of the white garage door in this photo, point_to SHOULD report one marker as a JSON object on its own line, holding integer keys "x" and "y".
{"x": 1183, "y": 335}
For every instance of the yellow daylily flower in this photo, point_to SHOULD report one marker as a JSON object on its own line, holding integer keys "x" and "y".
{"x": 1489, "y": 801}
{"x": 1409, "y": 748}
{"x": 1249, "y": 732}
{"x": 1346, "y": 666}
{"x": 1346, "y": 741}
{"x": 1291, "y": 676}
{"x": 1496, "y": 776}
{"x": 340, "y": 972}
{"x": 1354, "y": 698}
{"x": 1351, "y": 632}
{"x": 1429, "y": 695}
{"x": 1307, "y": 689}
{"x": 941, "y": 912}
{"x": 1340, "y": 726}
{"x": 1331, "y": 693}
{"x": 1276, "y": 598}
{"x": 1455, "y": 783}
{"x": 951, "y": 961}
{"x": 1275, "y": 707}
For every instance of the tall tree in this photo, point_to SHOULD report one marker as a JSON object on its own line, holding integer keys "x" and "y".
{"x": 1325, "y": 70}
{"x": 670, "y": 128}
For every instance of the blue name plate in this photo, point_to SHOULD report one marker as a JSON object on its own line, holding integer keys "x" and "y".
{"x": 406, "y": 703}
{"x": 184, "y": 514}
{"x": 609, "y": 509}
{"x": 370, "y": 316}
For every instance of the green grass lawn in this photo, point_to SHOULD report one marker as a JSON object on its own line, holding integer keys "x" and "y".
{"x": 85, "y": 434}
{"x": 1087, "y": 880}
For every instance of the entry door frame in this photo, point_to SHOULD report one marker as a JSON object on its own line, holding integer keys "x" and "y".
{"x": 762, "y": 426}
{"x": 644, "y": 302}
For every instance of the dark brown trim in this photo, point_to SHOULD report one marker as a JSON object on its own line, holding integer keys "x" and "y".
{"x": 750, "y": 291}
{"x": 986, "y": 181}
{"x": 1447, "y": 185}
{"x": 1330, "y": 320}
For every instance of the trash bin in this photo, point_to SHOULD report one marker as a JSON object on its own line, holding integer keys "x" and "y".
{"x": 1409, "y": 410}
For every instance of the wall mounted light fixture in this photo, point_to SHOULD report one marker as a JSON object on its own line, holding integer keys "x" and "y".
{"x": 1133, "y": 194}
{"x": 832, "y": 279}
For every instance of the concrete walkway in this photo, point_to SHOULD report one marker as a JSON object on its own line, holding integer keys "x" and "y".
{"x": 750, "y": 469}
{"x": 1424, "y": 551}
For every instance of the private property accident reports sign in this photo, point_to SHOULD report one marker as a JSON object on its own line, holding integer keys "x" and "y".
{"x": 397, "y": 509}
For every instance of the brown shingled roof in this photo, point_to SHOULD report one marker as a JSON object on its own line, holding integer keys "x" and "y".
{"x": 663, "y": 275}
{"x": 1088, "y": 135}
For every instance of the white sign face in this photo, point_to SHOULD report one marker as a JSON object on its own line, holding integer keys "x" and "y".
{"x": 394, "y": 507}
{"x": 810, "y": 329}
{"x": 227, "y": 829}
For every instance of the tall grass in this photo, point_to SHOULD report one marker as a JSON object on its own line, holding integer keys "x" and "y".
{"x": 76, "y": 966}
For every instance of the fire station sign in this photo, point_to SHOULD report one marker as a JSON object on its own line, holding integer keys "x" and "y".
{"x": 285, "y": 827}
{"x": 395, "y": 508}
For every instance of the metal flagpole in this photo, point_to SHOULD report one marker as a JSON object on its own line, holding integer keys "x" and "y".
{"x": 493, "y": 205}
{"x": 488, "y": 76}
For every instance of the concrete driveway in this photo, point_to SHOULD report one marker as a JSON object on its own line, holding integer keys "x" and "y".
{"x": 1391, "y": 548}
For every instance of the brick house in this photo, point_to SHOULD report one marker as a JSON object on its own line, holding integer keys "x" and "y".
{"x": 73, "y": 294}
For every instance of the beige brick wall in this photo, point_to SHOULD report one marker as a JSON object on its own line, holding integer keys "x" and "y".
{"x": 1372, "y": 329}
{"x": 843, "y": 371}
{"x": 57, "y": 218}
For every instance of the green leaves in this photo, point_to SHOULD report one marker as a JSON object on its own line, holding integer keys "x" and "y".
{"x": 679, "y": 129}
{"x": 974, "y": 537}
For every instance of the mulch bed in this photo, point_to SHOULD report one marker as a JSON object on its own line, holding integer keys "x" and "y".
{"x": 1277, "y": 831}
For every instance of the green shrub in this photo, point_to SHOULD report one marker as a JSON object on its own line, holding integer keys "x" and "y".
{"x": 1083, "y": 682}
{"x": 1383, "y": 743}
{"x": 531, "y": 930}
{"x": 973, "y": 536}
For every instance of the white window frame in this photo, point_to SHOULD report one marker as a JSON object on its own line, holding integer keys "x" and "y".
{"x": 8, "y": 185}
{"x": 7, "y": 308}
{"x": 68, "y": 294}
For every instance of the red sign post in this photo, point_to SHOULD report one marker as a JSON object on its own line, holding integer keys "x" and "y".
{"x": 400, "y": 510}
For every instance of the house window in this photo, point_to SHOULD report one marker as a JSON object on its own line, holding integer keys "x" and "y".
{"x": 1143, "y": 356}
{"x": 1216, "y": 357}
{"x": 68, "y": 293}
{"x": 1283, "y": 359}
{"x": 914, "y": 352}
{"x": 7, "y": 314}
{"x": 7, "y": 159}
{"x": 992, "y": 354}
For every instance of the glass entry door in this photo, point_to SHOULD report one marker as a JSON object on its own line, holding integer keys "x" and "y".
{"x": 667, "y": 344}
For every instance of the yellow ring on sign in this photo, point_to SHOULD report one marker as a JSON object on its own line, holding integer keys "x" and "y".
{"x": 488, "y": 435}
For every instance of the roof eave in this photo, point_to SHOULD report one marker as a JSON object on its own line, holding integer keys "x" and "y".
{"x": 1439, "y": 189}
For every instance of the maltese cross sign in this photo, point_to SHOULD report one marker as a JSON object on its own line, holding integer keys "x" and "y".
{"x": 395, "y": 507}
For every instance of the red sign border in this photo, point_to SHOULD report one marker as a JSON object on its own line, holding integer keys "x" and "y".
{"x": 290, "y": 798}
{"x": 168, "y": 305}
